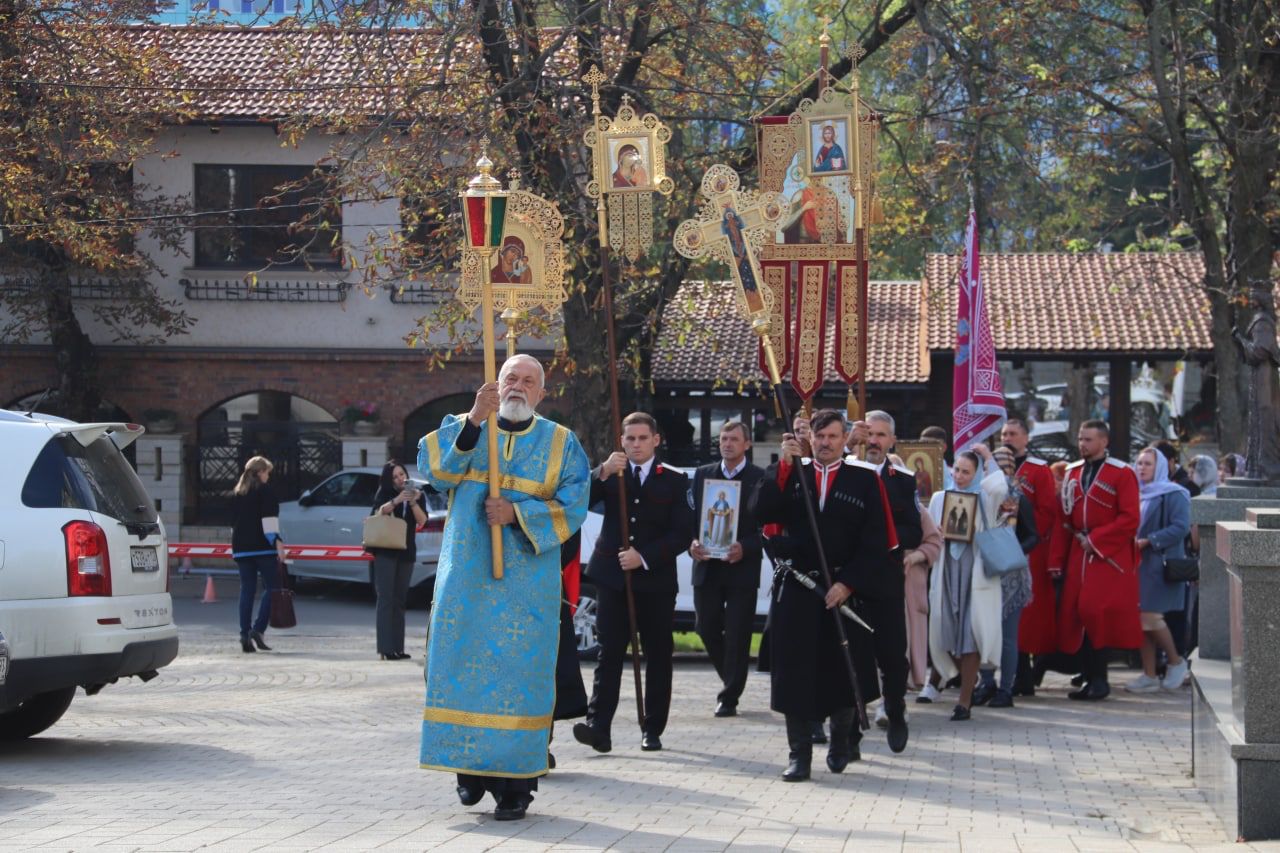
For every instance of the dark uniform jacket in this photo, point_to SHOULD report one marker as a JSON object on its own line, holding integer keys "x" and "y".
{"x": 661, "y": 528}
{"x": 900, "y": 489}
{"x": 746, "y": 572}
{"x": 808, "y": 675}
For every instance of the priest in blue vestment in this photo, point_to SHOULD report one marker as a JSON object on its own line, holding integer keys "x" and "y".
{"x": 491, "y": 648}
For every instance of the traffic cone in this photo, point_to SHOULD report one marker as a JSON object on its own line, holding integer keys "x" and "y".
{"x": 210, "y": 597}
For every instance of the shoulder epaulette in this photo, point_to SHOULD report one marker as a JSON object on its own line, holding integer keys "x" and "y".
{"x": 1035, "y": 460}
{"x": 1111, "y": 460}
{"x": 860, "y": 464}
{"x": 903, "y": 469}
{"x": 1075, "y": 464}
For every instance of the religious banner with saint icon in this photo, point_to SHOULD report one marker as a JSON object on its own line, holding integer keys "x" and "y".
{"x": 629, "y": 159}
{"x": 732, "y": 226}
{"x": 808, "y": 157}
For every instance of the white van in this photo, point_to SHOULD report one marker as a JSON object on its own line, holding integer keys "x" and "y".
{"x": 84, "y": 597}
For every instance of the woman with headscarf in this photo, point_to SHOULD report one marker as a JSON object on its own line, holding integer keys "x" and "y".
{"x": 965, "y": 604}
{"x": 1018, "y": 512}
{"x": 1166, "y": 521}
{"x": 1204, "y": 473}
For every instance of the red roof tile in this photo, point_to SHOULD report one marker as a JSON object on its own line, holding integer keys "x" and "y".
{"x": 1115, "y": 302}
{"x": 704, "y": 339}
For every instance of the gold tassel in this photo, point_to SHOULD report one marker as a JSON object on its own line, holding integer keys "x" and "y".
{"x": 851, "y": 407}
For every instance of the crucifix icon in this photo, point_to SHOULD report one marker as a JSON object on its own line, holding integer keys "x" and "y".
{"x": 731, "y": 227}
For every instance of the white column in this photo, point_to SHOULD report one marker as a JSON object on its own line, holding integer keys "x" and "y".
{"x": 160, "y": 469}
{"x": 361, "y": 451}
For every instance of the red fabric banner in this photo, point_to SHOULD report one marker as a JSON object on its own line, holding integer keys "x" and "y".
{"x": 977, "y": 392}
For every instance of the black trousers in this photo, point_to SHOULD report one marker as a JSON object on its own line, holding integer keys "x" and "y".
{"x": 888, "y": 643}
{"x": 724, "y": 615}
{"x": 655, "y": 618}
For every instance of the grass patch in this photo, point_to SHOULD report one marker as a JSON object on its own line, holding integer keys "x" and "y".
{"x": 688, "y": 641}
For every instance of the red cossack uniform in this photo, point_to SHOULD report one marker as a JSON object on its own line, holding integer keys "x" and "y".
{"x": 1037, "y": 629}
{"x": 1099, "y": 590}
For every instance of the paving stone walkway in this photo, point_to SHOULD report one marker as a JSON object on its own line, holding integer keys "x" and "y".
{"x": 314, "y": 747}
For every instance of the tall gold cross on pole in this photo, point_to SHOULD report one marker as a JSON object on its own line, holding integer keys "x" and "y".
{"x": 731, "y": 227}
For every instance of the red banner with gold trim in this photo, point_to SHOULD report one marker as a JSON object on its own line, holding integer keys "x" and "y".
{"x": 777, "y": 282}
{"x": 808, "y": 341}
{"x": 849, "y": 296}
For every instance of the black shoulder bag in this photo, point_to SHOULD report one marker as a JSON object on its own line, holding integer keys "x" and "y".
{"x": 1178, "y": 569}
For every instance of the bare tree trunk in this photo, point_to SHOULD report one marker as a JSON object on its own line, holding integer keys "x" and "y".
{"x": 78, "y": 397}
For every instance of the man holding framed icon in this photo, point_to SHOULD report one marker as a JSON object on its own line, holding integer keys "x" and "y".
{"x": 726, "y": 567}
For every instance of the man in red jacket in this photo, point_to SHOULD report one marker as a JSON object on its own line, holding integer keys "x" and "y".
{"x": 1037, "y": 629}
{"x": 1094, "y": 549}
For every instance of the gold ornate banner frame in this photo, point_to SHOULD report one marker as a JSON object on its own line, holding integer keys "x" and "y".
{"x": 629, "y": 164}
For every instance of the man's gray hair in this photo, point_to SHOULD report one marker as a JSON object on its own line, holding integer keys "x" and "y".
{"x": 506, "y": 365}
{"x": 884, "y": 418}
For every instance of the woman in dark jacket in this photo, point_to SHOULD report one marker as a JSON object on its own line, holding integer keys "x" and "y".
{"x": 256, "y": 547}
{"x": 392, "y": 568}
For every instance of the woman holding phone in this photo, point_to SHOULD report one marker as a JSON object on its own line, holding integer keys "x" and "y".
{"x": 393, "y": 567}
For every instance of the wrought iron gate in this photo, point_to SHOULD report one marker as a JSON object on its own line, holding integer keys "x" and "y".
{"x": 302, "y": 454}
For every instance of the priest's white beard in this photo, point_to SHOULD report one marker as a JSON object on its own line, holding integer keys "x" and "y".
{"x": 515, "y": 410}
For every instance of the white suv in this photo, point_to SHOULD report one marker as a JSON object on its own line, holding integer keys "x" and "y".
{"x": 84, "y": 595}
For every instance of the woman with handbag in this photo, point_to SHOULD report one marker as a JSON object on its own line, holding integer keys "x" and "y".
{"x": 256, "y": 547}
{"x": 1017, "y": 513}
{"x": 964, "y": 603}
{"x": 396, "y": 500}
{"x": 1166, "y": 521}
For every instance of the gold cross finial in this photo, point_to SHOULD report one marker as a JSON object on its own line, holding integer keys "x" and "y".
{"x": 594, "y": 77}
{"x": 514, "y": 174}
{"x": 626, "y": 100}
{"x": 825, "y": 38}
{"x": 854, "y": 53}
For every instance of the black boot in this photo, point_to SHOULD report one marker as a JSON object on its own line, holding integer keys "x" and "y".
{"x": 841, "y": 750}
{"x": 800, "y": 743}
{"x": 1024, "y": 684}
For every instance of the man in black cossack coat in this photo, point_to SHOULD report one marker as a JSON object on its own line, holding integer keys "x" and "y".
{"x": 809, "y": 677}
{"x": 661, "y": 524}
{"x": 725, "y": 590}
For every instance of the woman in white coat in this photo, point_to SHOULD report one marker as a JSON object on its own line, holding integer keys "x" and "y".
{"x": 964, "y": 604}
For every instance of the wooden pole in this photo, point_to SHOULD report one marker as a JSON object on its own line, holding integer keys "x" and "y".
{"x": 491, "y": 375}
{"x": 615, "y": 408}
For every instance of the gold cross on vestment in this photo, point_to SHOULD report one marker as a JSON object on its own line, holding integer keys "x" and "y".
{"x": 731, "y": 227}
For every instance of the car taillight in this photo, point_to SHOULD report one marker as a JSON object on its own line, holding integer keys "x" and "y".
{"x": 88, "y": 561}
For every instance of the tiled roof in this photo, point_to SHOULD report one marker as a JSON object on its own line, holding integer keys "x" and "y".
{"x": 1116, "y": 302}
{"x": 704, "y": 339}
{"x": 253, "y": 73}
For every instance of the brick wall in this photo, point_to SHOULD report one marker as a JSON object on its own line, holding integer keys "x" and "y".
{"x": 190, "y": 382}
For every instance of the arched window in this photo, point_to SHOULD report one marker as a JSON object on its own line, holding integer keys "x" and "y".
{"x": 426, "y": 418}
{"x": 299, "y": 437}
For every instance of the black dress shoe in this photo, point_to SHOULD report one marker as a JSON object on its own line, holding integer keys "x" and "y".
{"x": 960, "y": 714}
{"x": 401, "y": 656}
{"x": 1001, "y": 700}
{"x": 650, "y": 742}
{"x": 510, "y": 808}
{"x": 1024, "y": 688}
{"x": 246, "y": 645}
{"x": 726, "y": 710}
{"x": 983, "y": 694}
{"x": 1091, "y": 692}
{"x": 468, "y": 795}
{"x": 256, "y": 636}
{"x": 587, "y": 735}
{"x": 898, "y": 733}
{"x": 1078, "y": 680}
{"x": 551, "y": 761}
{"x": 953, "y": 682}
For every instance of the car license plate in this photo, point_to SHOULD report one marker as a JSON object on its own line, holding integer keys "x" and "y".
{"x": 4, "y": 668}
{"x": 144, "y": 559}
